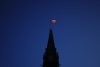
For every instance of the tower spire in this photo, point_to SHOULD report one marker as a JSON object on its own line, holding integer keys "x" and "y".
{"x": 51, "y": 58}
{"x": 51, "y": 40}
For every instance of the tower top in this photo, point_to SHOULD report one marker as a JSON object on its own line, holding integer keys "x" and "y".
{"x": 50, "y": 58}
{"x": 51, "y": 40}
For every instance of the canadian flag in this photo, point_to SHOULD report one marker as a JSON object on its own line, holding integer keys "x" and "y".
{"x": 53, "y": 21}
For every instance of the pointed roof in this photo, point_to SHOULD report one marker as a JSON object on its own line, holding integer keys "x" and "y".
{"x": 51, "y": 40}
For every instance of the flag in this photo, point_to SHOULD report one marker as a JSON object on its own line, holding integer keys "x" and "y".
{"x": 54, "y": 21}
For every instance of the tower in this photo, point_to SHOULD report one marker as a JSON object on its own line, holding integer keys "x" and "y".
{"x": 51, "y": 58}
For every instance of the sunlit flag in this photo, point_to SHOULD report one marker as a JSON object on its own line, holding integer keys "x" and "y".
{"x": 54, "y": 21}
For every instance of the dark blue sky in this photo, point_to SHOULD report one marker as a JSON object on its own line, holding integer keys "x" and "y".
{"x": 25, "y": 29}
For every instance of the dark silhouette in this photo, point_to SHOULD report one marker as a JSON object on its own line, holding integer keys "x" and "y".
{"x": 51, "y": 58}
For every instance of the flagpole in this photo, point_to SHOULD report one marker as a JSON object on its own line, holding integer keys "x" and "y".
{"x": 50, "y": 24}
{"x": 52, "y": 21}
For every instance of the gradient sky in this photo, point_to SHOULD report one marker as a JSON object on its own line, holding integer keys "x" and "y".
{"x": 25, "y": 30}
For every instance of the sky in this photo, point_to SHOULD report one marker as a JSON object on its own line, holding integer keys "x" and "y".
{"x": 24, "y": 32}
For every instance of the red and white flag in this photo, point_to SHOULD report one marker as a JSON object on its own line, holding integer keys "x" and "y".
{"x": 54, "y": 21}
